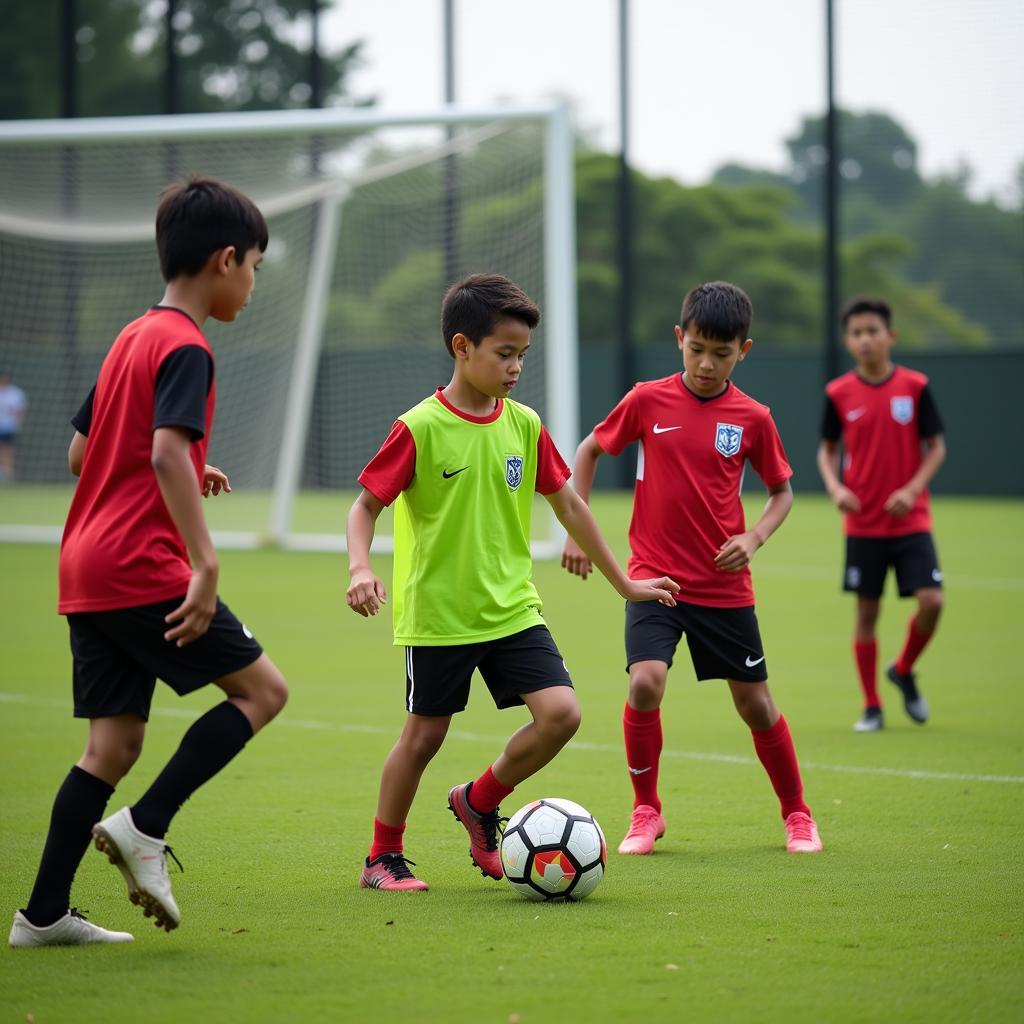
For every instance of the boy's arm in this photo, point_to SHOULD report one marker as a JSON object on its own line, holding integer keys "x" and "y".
{"x": 76, "y": 452}
{"x": 176, "y": 476}
{"x": 575, "y": 516}
{"x": 738, "y": 550}
{"x": 366, "y": 592}
{"x": 828, "y": 466}
{"x": 574, "y": 558}
{"x": 901, "y": 501}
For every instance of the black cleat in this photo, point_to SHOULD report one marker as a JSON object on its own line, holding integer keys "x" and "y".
{"x": 913, "y": 703}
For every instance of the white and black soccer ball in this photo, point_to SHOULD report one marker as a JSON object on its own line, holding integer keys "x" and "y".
{"x": 553, "y": 849}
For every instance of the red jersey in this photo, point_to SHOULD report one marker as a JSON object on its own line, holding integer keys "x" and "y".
{"x": 390, "y": 471}
{"x": 120, "y": 546}
{"x": 689, "y": 474}
{"x": 881, "y": 426}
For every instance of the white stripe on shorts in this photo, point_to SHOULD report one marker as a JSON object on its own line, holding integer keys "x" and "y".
{"x": 409, "y": 675}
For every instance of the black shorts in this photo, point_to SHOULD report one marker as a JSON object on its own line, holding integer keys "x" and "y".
{"x": 725, "y": 643}
{"x": 119, "y": 655}
{"x": 437, "y": 678}
{"x": 913, "y": 556}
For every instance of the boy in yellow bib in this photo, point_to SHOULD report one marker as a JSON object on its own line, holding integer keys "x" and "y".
{"x": 464, "y": 465}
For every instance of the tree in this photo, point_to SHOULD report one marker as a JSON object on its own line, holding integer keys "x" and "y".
{"x": 238, "y": 56}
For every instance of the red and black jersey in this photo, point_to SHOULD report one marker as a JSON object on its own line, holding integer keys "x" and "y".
{"x": 120, "y": 546}
{"x": 881, "y": 426}
{"x": 693, "y": 452}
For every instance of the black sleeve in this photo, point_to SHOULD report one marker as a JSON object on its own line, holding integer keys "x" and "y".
{"x": 82, "y": 420}
{"x": 929, "y": 422}
{"x": 831, "y": 425}
{"x": 182, "y": 384}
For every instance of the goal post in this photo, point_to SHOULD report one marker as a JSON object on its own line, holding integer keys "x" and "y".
{"x": 370, "y": 214}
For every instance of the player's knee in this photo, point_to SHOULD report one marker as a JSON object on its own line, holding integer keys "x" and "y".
{"x": 423, "y": 744}
{"x": 112, "y": 760}
{"x": 562, "y": 722}
{"x": 930, "y": 602}
{"x": 645, "y": 690}
{"x": 275, "y": 694}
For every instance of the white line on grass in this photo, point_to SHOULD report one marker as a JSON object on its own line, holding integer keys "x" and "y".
{"x": 601, "y": 748}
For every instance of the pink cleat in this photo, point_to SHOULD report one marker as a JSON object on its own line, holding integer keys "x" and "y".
{"x": 482, "y": 829}
{"x": 390, "y": 871}
{"x": 645, "y": 826}
{"x": 802, "y": 834}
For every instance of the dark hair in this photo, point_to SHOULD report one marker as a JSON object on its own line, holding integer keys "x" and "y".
{"x": 867, "y": 304}
{"x": 475, "y": 305}
{"x": 199, "y": 216}
{"x": 719, "y": 310}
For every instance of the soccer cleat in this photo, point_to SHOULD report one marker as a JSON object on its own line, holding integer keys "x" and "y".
{"x": 390, "y": 871}
{"x": 70, "y": 930}
{"x": 802, "y": 834}
{"x": 871, "y": 721}
{"x": 913, "y": 703}
{"x": 141, "y": 860}
{"x": 645, "y": 827}
{"x": 483, "y": 831}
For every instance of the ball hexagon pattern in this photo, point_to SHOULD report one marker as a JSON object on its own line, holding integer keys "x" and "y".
{"x": 553, "y": 849}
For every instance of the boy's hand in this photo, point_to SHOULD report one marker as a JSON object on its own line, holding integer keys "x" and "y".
{"x": 366, "y": 593}
{"x": 845, "y": 500}
{"x": 900, "y": 502}
{"x": 737, "y": 551}
{"x": 576, "y": 560}
{"x": 662, "y": 590}
{"x": 214, "y": 481}
{"x": 196, "y": 611}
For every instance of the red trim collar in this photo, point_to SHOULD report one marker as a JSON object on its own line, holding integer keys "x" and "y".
{"x": 489, "y": 418}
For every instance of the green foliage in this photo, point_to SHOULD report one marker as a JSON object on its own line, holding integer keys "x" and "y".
{"x": 237, "y": 56}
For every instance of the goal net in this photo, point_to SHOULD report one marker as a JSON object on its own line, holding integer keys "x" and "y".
{"x": 371, "y": 217}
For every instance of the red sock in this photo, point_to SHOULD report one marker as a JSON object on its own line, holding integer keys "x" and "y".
{"x": 386, "y": 839}
{"x": 914, "y": 644}
{"x": 775, "y": 750}
{"x": 487, "y": 792}
{"x": 866, "y": 656}
{"x": 643, "y": 750}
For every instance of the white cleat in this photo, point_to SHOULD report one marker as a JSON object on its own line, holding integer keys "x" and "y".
{"x": 140, "y": 859}
{"x": 70, "y": 930}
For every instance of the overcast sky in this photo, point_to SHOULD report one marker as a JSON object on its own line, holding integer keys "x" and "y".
{"x": 718, "y": 80}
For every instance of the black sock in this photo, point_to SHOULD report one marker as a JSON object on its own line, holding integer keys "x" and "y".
{"x": 207, "y": 747}
{"x": 79, "y": 804}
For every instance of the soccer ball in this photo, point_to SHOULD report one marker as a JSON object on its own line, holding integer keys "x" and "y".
{"x": 553, "y": 849}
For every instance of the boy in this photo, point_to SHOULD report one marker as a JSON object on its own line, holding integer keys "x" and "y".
{"x": 697, "y": 431}
{"x": 884, "y": 414}
{"x": 138, "y": 571}
{"x": 464, "y": 465}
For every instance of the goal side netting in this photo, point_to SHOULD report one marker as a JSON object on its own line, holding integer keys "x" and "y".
{"x": 371, "y": 217}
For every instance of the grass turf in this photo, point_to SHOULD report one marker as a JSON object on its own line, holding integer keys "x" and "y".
{"x": 912, "y": 913}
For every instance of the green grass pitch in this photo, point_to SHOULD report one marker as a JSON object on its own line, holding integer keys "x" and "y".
{"x": 912, "y": 913}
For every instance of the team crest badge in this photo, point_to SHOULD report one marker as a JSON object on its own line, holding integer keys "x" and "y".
{"x": 514, "y": 471}
{"x": 902, "y": 408}
{"x": 727, "y": 438}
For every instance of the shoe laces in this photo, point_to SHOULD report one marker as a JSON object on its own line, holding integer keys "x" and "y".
{"x": 170, "y": 853}
{"x": 800, "y": 826}
{"x": 492, "y": 825}
{"x": 397, "y": 865}
{"x": 80, "y": 914}
{"x": 642, "y": 820}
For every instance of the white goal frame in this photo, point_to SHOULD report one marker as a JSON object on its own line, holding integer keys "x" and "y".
{"x": 559, "y": 253}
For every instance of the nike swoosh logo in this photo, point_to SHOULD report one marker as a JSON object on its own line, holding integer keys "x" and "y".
{"x": 639, "y": 771}
{"x": 855, "y": 414}
{"x": 454, "y": 472}
{"x": 751, "y": 664}
{"x": 664, "y": 430}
